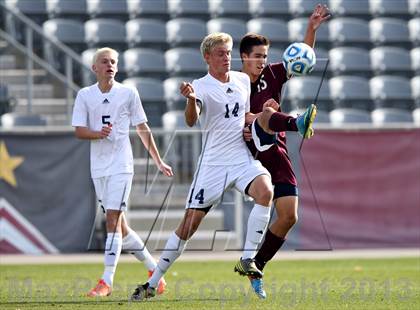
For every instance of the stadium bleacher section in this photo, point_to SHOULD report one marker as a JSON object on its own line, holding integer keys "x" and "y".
{"x": 372, "y": 45}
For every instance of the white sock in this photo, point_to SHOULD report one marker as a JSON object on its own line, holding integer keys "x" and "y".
{"x": 133, "y": 243}
{"x": 173, "y": 249}
{"x": 112, "y": 254}
{"x": 257, "y": 225}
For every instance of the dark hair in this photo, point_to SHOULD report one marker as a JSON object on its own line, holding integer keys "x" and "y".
{"x": 250, "y": 40}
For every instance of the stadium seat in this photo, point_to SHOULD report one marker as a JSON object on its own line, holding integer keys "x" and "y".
{"x": 188, "y": 8}
{"x": 390, "y": 59}
{"x": 185, "y": 32}
{"x": 146, "y": 32}
{"x": 350, "y": 92}
{"x": 384, "y": 116}
{"x": 388, "y": 8}
{"x": 147, "y": 8}
{"x": 415, "y": 90}
{"x": 174, "y": 99}
{"x": 13, "y": 119}
{"x": 301, "y": 91}
{"x": 108, "y": 9}
{"x": 349, "y": 8}
{"x": 349, "y": 116}
{"x": 35, "y": 10}
{"x": 235, "y": 27}
{"x": 269, "y": 8}
{"x": 173, "y": 120}
{"x": 105, "y": 32}
{"x": 349, "y": 60}
{"x": 236, "y": 62}
{"x": 391, "y": 91}
{"x": 416, "y": 116}
{"x": 415, "y": 60}
{"x": 386, "y": 30}
{"x": 183, "y": 61}
{"x": 151, "y": 96}
{"x": 145, "y": 62}
{"x": 414, "y": 7}
{"x": 229, "y": 8}
{"x": 70, "y": 32}
{"x": 302, "y": 7}
{"x": 276, "y": 30}
{"x": 321, "y": 60}
{"x": 414, "y": 30}
{"x": 349, "y": 31}
{"x": 297, "y": 30}
{"x": 88, "y": 77}
{"x": 274, "y": 55}
{"x": 75, "y": 9}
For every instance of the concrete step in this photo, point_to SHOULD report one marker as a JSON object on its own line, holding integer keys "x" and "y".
{"x": 58, "y": 120}
{"x": 19, "y": 76}
{"x": 3, "y": 44}
{"x": 45, "y": 106}
{"x": 170, "y": 219}
{"x": 7, "y": 61}
{"x": 154, "y": 198}
{"x": 202, "y": 240}
{"x": 39, "y": 90}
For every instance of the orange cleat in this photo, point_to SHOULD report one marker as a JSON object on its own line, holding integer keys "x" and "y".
{"x": 100, "y": 290}
{"x": 161, "y": 286}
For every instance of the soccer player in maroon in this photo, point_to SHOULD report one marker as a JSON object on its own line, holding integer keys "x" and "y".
{"x": 266, "y": 84}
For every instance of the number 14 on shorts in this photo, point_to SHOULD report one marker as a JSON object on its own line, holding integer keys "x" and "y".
{"x": 199, "y": 196}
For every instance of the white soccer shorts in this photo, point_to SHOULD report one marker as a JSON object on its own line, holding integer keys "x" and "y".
{"x": 113, "y": 191}
{"x": 210, "y": 182}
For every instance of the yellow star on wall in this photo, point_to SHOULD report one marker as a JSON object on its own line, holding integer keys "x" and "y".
{"x": 8, "y": 164}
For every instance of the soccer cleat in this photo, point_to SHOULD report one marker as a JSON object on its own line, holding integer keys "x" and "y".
{"x": 161, "y": 285}
{"x": 258, "y": 287}
{"x": 247, "y": 267}
{"x": 143, "y": 292}
{"x": 100, "y": 290}
{"x": 304, "y": 122}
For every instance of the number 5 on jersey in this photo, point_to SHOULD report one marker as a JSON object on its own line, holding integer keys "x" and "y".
{"x": 199, "y": 196}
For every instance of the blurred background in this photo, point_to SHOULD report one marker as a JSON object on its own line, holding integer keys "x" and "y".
{"x": 359, "y": 177}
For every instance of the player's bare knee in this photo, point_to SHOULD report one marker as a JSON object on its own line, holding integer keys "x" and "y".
{"x": 291, "y": 219}
{"x": 264, "y": 194}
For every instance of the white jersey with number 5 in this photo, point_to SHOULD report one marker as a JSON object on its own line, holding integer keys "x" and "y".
{"x": 222, "y": 118}
{"x": 119, "y": 107}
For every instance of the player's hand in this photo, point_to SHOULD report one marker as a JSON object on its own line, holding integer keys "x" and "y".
{"x": 165, "y": 169}
{"x": 271, "y": 103}
{"x": 320, "y": 14}
{"x": 106, "y": 131}
{"x": 187, "y": 90}
{"x": 247, "y": 134}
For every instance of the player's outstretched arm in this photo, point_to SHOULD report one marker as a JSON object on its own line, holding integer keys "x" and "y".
{"x": 320, "y": 14}
{"x": 146, "y": 137}
{"x": 192, "y": 111}
{"x": 85, "y": 133}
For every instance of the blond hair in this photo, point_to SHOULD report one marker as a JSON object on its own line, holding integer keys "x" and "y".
{"x": 104, "y": 50}
{"x": 214, "y": 39}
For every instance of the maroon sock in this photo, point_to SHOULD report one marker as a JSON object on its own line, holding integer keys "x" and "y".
{"x": 280, "y": 121}
{"x": 269, "y": 248}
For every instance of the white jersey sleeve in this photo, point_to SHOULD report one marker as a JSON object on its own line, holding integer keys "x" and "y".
{"x": 198, "y": 94}
{"x": 137, "y": 114}
{"x": 80, "y": 111}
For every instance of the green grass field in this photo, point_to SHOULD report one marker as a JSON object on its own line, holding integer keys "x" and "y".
{"x": 328, "y": 284}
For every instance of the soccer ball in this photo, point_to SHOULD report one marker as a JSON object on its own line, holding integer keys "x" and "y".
{"x": 299, "y": 59}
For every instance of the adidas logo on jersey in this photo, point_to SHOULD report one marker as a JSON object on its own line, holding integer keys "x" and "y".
{"x": 105, "y": 101}
{"x": 229, "y": 90}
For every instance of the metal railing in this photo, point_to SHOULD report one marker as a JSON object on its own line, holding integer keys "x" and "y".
{"x": 23, "y": 41}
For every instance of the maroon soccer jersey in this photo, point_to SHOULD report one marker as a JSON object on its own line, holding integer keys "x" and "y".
{"x": 276, "y": 159}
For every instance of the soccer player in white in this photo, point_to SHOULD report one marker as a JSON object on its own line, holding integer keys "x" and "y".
{"x": 220, "y": 100}
{"x": 102, "y": 114}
